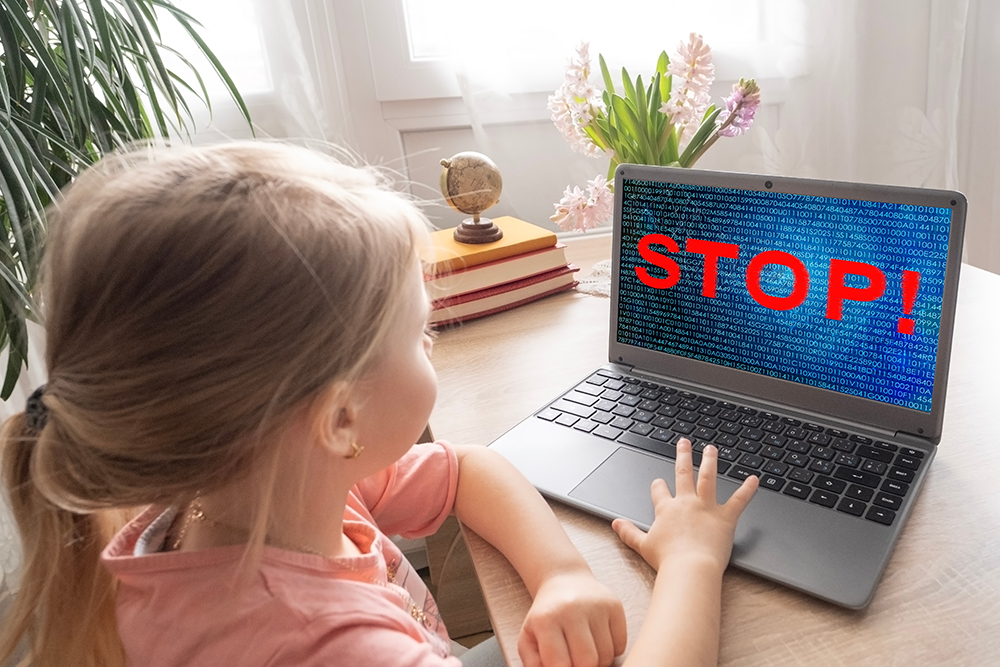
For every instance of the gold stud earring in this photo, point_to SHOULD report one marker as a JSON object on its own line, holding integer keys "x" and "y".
{"x": 356, "y": 450}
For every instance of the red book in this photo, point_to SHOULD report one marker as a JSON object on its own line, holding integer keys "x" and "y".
{"x": 502, "y": 297}
{"x": 498, "y": 272}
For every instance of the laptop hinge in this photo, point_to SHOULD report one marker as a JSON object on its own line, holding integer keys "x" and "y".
{"x": 915, "y": 440}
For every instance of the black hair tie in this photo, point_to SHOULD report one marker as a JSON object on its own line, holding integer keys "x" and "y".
{"x": 35, "y": 410}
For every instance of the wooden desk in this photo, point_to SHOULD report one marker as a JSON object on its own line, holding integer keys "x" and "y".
{"x": 939, "y": 601}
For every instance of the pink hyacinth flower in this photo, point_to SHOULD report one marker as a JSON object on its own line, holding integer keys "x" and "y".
{"x": 741, "y": 106}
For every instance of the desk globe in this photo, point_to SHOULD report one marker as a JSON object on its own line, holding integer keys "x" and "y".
{"x": 471, "y": 183}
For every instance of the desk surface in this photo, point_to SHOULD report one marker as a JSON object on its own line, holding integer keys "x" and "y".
{"x": 939, "y": 600}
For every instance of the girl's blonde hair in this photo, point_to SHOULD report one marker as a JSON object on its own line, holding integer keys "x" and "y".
{"x": 192, "y": 298}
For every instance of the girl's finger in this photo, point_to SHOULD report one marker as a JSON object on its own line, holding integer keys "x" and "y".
{"x": 706, "y": 473}
{"x": 628, "y": 533}
{"x": 527, "y": 649}
{"x": 580, "y": 642}
{"x": 742, "y": 497}
{"x": 684, "y": 468}
{"x": 659, "y": 491}
{"x": 600, "y": 630}
{"x": 551, "y": 644}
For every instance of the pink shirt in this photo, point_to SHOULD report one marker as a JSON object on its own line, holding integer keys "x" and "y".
{"x": 182, "y": 607}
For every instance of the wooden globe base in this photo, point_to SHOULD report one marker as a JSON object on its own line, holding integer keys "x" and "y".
{"x": 478, "y": 231}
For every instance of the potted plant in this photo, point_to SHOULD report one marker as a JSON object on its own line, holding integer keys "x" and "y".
{"x": 78, "y": 79}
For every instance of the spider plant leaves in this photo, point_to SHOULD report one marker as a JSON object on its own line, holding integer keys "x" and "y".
{"x": 79, "y": 79}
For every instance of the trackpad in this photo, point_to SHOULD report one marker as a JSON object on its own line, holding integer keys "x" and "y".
{"x": 620, "y": 485}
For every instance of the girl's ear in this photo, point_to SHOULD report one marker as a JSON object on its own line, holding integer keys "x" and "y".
{"x": 333, "y": 415}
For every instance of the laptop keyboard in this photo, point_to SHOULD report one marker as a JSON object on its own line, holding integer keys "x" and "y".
{"x": 829, "y": 467}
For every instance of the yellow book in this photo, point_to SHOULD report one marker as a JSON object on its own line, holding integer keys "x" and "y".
{"x": 446, "y": 254}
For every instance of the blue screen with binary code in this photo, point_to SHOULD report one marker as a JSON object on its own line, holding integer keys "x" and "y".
{"x": 838, "y": 294}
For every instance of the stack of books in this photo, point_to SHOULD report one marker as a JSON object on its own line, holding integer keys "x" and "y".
{"x": 466, "y": 281}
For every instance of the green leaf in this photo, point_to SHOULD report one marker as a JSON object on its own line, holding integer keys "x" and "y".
{"x": 41, "y": 50}
{"x": 662, "y": 63}
{"x": 631, "y": 125}
{"x": 629, "y": 88}
{"x": 665, "y": 83}
{"x": 12, "y": 60}
{"x": 704, "y": 130}
{"x": 609, "y": 85}
{"x": 74, "y": 69}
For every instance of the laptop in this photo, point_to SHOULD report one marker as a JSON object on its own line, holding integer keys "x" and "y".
{"x": 804, "y": 328}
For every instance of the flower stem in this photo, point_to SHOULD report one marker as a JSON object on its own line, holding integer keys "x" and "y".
{"x": 715, "y": 135}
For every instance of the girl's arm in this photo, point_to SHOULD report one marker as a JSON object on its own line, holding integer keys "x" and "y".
{"x": 689, "y": 545}
{"x": 573, "y": 616}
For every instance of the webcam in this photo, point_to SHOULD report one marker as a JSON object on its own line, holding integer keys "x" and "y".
{"x": 768, "y": 184}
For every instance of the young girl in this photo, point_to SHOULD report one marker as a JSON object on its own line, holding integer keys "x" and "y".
{"x": 237, "y": 343}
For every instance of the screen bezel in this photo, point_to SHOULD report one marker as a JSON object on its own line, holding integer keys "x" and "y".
{"x": 924, "y": 425}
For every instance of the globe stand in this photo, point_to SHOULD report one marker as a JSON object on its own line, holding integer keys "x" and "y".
{"x": 474, "y": 230}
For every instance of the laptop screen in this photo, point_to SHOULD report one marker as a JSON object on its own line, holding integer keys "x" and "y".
{"x": 839, "y": 294}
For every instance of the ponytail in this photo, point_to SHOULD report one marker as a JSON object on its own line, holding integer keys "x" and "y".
{"x": 63, "y": 577}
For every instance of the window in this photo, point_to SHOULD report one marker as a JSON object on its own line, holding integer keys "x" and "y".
{"x": 420, "y": 47}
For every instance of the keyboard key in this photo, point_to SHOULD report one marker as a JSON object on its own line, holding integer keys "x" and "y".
{"x": 773, "y": 439}
{"x": 739, "y": 472}
{"x": 819, "y": 439}
{"x": 909, "y": 451}
{"x": 796, "y": 459}
{"x": 821, "y": 466}
{"x": 567, "y": 419}
{"x": 824, "y": 498}
{"x": 752, "y": 434}
{"x": 836, "y": 433}
{"x": 797, "y": 433}
{"x": 643, "y": 416}
{"x": 726, "y": 440}
{"x": 631, "y": 401}
{"x": 747, "y": 411}
{"x": 684, "y": 427}
{"x": 580, "y": 398}
{"x": 642, "y": 429}
{"x": 751, "y": 420}
{"x": 797, "y": 490}
{"x": 710, "y": 410}
{"x": 623, "y": 411}
{"x": 773, "y": 452}
{"x": 729, "y": 415}
{"x": 862, "y": 493}
{"x": 605, "y": 405}
{"x": 726, "y": 405}
{"x": 609, "y": 432}
{"x": 771, "y": 482}
{"x": 687, "y": 394}
{"x": 790, "y": 422}
{"x": 829, "y": 484}
{"x": 825, "y": 453}
{"x": 663, "y": 421}
{"x": 548, "y": 414}
{"x": 623, "y": 423}
{"x": 631, "y": 390}
{"x": 597, "y": 380}
{"x": 876, "y": 454}
{"x": 609, "y": 374}
{"x": 892, "y": 486}
{"x": 852, "y": 507}
{"x": 728, "y": 454}
{"x": 651, "y": 394}
{"x": 876, "y": 467}
{"x": 723, "y": 467}
{"x": 706, "y": 400}
{"x": 732, "y": 429}
{"x": 800, "y": 475}
{"x": 709, "y": 422}
{"x": 614, "y": 384}
{"x": 901, "y": 475}
{"x": 775, "y": 468}
{"x": 880, "y": 515}
{"x": 751, "y": 461}
{"x": 888, "y": 500}
{"x": 843, "y": 445}
{"x": 585, "y": 425}
{"x": 668, "y": 411}
{"x": 587, "y": 388}
{"x": 886, "y": 445}
{"x": 908, "y": 462}
{"x": 664, "y": 435}
{"x": 798, "y": 446}
{"x": 688, "y": 415}
{"x": 653, "y": 406}
{"x": 574, "y": 408}
{"x": 809, "y": 426}
{"x": 689, "y": 405}
{"x": 861, "y": 439}
{"x": 857, "y": 477}
{"x": 849, "y": 460}
{"x": 769, "y": 416}
{"x": 703, "y": 433}
{"x": 748, "y": 446}
{"x": 602, "y": 417}
{"x": 631, "y": 380}
{"x": 611, "y": 395}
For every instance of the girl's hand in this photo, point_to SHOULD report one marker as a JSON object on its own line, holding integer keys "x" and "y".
{"x": 690, "y": 525}
{"x": 574, "y": 620}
